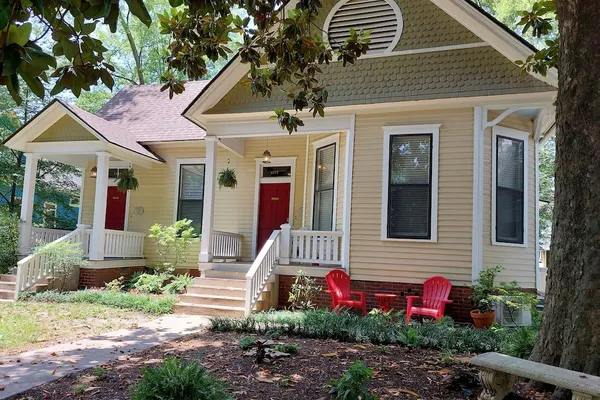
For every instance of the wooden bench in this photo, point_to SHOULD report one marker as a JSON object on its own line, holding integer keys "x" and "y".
{"x": 498, "y": 372}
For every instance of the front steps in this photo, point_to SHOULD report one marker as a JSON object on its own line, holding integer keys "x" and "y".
{"x": 7, "y": 287}
{"x": 223, "y": 293}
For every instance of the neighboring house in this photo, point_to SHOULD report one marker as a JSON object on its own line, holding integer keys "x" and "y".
{"x": 425, "y": 163}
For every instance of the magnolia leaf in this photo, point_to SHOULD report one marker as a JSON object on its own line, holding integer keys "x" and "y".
{"x": 19, "y": 34}
{"x": 138, "y": 8}
{"x": 12, "y": 59}
{"x": 34, "y": 83}
{"x": 13, "y": 88}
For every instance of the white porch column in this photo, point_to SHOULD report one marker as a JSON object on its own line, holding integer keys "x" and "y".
{"x": 208, "y": 211}
{"x": 347, "y": 204}
{"x": 97, "y": 239}
{"x": 285, "y": 244}
{"x": 27, "y": 197}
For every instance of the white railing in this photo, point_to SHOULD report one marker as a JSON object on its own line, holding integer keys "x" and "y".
{"x": 261, "y": 270}
{"x": 44, "y": 235}
{"x": 34, "y": 268}
{"x": 321, "y": 247}
{"x": 122, "y": 244}
{"x": 227, "y": 245}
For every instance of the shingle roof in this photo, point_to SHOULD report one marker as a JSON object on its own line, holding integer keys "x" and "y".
{"x": 150, "y": 116}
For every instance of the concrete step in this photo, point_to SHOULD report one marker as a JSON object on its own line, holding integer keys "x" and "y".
{"x": 7, "y": 294}
{"x": 225, "y": 274}
{"x": 220, "y": 282}
{"x": 198, "y": 309}
{"x": 211, "y": 300}
{"x": 8, "y": 278}
{"x": 7, "y": 285}
{"x": 216, "y": 291}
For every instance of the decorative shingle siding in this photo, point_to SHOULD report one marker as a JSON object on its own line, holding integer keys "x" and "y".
{"x": 65, "y": 130}
{"x": 425, "y": 25}
{"x": 479, "y": 71}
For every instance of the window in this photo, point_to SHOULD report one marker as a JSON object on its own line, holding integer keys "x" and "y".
{"x": 49, "y": 216}
{"x": 509, "y": 182}
{"x": 190, "y": 199}
{"x": 410, "y": 183}
{"x": 324, "y": 188}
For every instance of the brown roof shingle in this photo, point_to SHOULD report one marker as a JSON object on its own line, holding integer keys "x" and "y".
{"x": 150, "y": 116}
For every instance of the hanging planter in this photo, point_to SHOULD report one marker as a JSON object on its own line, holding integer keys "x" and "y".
{"x": 126, "y": 181}
{"x": 227, "y": 178}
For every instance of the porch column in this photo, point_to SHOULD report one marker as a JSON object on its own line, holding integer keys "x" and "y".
{"x": 27, "y": 197}
{"x": 210, "y": 178}
{"x": 97, "y": 238}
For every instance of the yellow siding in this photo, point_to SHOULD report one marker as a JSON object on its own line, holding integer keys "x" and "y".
{"x": 519, "y": 262}
{"x": 64, "y": 130}
{"x": 394, "y": 261}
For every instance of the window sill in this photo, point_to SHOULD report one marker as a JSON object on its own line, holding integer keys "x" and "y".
{"x": 522, "y": 245}
{"x": 386, "y": 239}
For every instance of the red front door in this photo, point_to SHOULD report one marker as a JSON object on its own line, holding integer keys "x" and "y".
{"x": 115, "y": 209}
{"x": 273, "y": 210}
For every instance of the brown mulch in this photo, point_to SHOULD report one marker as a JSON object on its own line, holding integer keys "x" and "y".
{"x": 399, "y": 373}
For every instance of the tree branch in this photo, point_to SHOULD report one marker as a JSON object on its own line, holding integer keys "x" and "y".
{"x": 126, "y": 78}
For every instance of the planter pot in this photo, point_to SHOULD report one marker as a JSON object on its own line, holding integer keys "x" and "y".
{"x": 483, "y": 320}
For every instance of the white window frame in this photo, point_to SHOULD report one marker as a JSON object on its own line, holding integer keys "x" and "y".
{"x": 518, "y": 135}
{"x": 50, "y": 203}
{"x": 318, "y": 144}
{"x": 185, "y": 161}
{"x": 388, "y": 132}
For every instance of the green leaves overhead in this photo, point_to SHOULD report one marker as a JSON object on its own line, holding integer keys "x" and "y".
{"x": 541, "y": 20}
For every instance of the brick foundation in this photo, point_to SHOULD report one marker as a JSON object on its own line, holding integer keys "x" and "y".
{"x": 459, "y": 310}
{"x": 97, "y": 277}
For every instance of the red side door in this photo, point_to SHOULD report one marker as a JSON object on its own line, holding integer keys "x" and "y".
{"x": 115, "y": 209}
{"x": 273, "y": 210}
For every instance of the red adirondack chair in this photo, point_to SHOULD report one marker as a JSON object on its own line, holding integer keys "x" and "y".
{"x": 435, "y": 297}
{"x": 338, "y": 285}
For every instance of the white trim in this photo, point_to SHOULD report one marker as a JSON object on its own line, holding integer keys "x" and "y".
{"x": 208, "y": 201}
{"x": 305, "y": 192}
{"x": 185, "y": 161}
{"x": 275, "y": 161}
{"x": 391, "y": 3}
{"x": 266, "y": 127}
{"x": 347, "y": 205}
{"x": 127, "y": 201}
{"x": 388, "y": 132}
{"x": 80, "y": 211}
{"x": 66, "y": 147}
{"x": 329, "y": 140}
{"x": 234, "y": 145}
{"x": 519, "y": 135}
{"x": 538, "y": 124}
{"x": 479, "y": 116}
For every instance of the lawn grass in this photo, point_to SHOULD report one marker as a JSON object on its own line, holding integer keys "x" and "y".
{"x": 29, "y": 325}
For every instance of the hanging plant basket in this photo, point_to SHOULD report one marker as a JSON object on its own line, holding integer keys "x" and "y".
{"x": 127, "y": 181}
{"x": 227, "y": 178}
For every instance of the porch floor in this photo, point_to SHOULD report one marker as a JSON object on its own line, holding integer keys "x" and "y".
{"x": 240, "y": 268}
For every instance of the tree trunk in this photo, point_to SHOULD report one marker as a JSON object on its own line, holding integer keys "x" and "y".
{"x": 134, "y": 49}
{"x": 570, "y": 332}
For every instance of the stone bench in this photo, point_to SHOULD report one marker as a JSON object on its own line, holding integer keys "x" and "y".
{"x": 498, "y": 373}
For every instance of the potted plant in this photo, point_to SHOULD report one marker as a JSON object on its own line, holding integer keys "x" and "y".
{"x": 227, "y": 178}
{"x": 127, "y": 181}
{"x": 484, "y": 297}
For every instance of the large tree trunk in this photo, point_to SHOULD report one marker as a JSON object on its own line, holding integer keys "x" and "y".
{"x": 134, "y": 50}
{"x": 570, "y": 333}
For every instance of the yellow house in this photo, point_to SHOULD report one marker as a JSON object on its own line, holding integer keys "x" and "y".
{"x": 425, "y": 164}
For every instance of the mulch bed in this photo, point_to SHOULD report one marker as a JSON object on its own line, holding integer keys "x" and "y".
{"x": 399, "y": 373}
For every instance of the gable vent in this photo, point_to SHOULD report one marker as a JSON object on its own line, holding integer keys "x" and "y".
{"x": 382, "y": 17}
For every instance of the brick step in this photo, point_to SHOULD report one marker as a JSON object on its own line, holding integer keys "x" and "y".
{"x": 7, "y": 285}
{"x": 7, "y": 294}
{"x": 198, "y": 309}
{"x": 8, "y": 278}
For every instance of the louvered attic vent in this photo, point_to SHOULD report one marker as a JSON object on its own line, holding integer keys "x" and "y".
{"x": 382, "y": 17}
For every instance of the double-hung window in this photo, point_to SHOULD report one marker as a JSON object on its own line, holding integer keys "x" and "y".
{"x": 410, "y": 183}
{"x": 509, "y": 182}
{"x": 324, "y": 188}
{"x": 190, "y": 197}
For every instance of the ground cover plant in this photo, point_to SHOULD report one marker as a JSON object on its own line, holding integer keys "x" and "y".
{"x": 28, "y": 325}
{"x": 129, "y": 301}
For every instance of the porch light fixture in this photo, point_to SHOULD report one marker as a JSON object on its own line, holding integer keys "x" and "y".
{"x": 94, "y": 172}
{"x": 267, "y": 154}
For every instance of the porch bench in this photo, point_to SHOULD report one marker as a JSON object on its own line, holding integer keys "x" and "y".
{"x": 498, "y": 372}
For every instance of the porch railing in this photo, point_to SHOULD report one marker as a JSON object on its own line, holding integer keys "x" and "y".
{"x": 44, "y": 235}
{"x": 261, "y": 270}
{"x": 123, "y": 244}
{"x": 321, "y": 247}
{"x": 227, "y": 245}
{"x": 34, "y": 268}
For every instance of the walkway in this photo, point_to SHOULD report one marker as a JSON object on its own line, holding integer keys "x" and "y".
{"x": 27, "y": 370}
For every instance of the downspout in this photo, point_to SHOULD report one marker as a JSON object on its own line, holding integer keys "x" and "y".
{"x": 305, "y": 181}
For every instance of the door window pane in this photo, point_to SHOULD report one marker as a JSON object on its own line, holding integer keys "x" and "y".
{"x": 324, "y": 188}
{"x": 510, "y": 196}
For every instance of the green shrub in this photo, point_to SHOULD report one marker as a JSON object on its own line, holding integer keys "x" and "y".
{"x": 519, "y": 342}
{"x": 303, "y": 291}
{"x": 151, "y": 283}
{"x": 9, "y": 239}
{"x": 287, "y": 348}
{"x": 63, "y": 258}
{"x": 130, "y": 284}
{"x": 353, "y": 384}
{"x": 178, "y": 284}
{"x": 116, "y": 285}
{"x": 172, "y": 243}
{"x": 180, "y": 380}
{"x": 138, "y": 302}
{"x": 247, "y": 342}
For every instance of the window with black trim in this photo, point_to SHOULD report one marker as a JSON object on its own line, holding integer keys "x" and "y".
{"x": 510, "y": 190}
{"x": 409, "y": 186}
{"x": 324, "y": 188}
{"x": 190, "y": 201}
